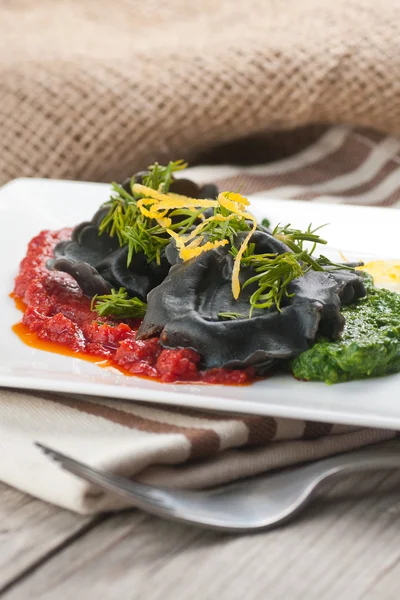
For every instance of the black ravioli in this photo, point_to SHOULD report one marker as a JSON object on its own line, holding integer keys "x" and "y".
{"x": 86, "y": 276}
{"x": 86, "y": 245}
{"x": 186, "y": 187}
{"x": 98, "y": 263}
{"x": 184, "y": 309}
{"x": 139, "y": 278}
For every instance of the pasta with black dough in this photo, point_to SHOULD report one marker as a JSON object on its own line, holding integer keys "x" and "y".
{"x": 98, "y": 263}
{"x": 184, "y": 310}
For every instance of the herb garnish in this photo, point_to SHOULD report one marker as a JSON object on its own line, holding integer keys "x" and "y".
{"x": 147, "y": 218}
{"x": 295, "y": 238}
{"x": 147, "y": 236}
{"x": 126, "y": 221}
{"x": 160, "y": 178}
{"x": 118, "y": 304}
{"x": 274, "y": 272}
{"x": 122, "y": 213}
{"x": 230, "y": 316}
{"x": 227, "y": 229}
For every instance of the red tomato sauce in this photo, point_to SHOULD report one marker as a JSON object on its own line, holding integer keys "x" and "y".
{"x": 58, "y": 318}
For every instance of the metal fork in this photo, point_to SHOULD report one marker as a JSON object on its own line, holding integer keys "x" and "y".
{"x": 252, "y": 504}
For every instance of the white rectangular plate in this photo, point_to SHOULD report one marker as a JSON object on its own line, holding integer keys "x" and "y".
{"x": 30, "y": 205}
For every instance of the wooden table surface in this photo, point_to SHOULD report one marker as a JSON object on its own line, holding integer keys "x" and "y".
{"x": 345, "y": 546}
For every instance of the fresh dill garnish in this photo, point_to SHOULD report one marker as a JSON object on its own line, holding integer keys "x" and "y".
{"x": 162, "y": 176}
{"x": 139, "y": 225}
{"x": 295, "y": 238}
{"x": 126, "y": 221}
{"x": 225, "y": 230}
{"x": 230, "y": 316}
{"x": 122, "y": 213}
{"x": 274, "y": 272}
{"x": 149, "y": 237}
{"x": 144, "y": 238}
{"x": 324, "y": 261}
{"x": 118, "y": 304}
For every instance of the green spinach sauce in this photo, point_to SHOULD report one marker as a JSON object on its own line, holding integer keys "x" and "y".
{"x": 370, "y": 344}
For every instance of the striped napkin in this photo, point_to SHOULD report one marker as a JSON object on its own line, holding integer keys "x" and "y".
{"x": 178, "y": 447}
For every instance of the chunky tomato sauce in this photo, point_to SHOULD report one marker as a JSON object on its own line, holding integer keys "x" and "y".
{"x": 57, "y": 317}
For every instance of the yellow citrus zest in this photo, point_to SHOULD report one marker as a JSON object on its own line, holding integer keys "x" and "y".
{"x": 155, "y": 205}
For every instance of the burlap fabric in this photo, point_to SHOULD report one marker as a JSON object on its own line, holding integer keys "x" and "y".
{"x": 97, "y": 89}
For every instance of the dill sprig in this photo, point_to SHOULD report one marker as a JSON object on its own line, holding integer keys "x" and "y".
{"x": 160, "y": 178}
{"x": 122, "y": 213}
{"x": 147, "y": 236}
{"x": 125, "y": 220}
{"x": 295, "y": 238}
{"x": 230, "y": 316}
{"x": 142, "y": 233}
{"x": 118, "y": 304}
{"x": 225, "y": 230}
{"x": 324, "y": 261}
{"x": 275, "y": 272}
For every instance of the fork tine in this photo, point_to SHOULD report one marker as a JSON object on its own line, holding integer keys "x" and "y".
{"x": 115, "y": 483}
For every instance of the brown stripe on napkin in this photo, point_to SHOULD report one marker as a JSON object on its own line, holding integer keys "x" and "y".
{"x": 314, "y": 430}
{"x": 261, "y": 429}
{"x": 346, "y": 159}
{"x": 204, "y": 442}
{"x": 381, "y": 188}
{"x": 187, "y": 411}
{"x": 390, "y": 167}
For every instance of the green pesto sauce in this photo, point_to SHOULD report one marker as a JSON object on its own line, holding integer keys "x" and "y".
{"x": 370, "y": 344}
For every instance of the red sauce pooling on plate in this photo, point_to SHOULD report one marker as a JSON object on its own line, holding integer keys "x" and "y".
{"x": 57, "y": 318}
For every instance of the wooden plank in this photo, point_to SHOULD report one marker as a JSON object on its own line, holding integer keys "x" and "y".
{"x": 340, "y": 548}
{"x": 30, "y": 531}
{"x": 386, "y": 584}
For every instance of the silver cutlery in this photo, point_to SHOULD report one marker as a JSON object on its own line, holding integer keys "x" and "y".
{"x": 252, "y": 504}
